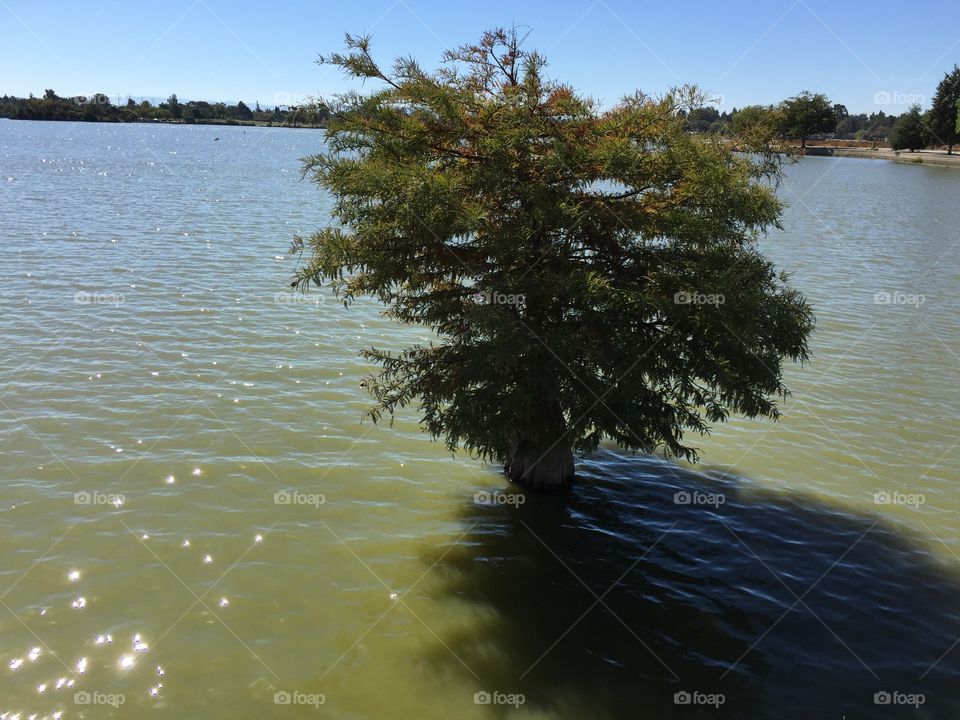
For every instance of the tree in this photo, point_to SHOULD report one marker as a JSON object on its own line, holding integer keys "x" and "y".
{"x": 700, "y": 119}
{"x": 754, "y": 119}
{"x": 244, "y": 112}
{"x": 173, "y": 105}
{"x": 805, "y": 115}
{"x": 943, "y": 111}
{"x": 908, "y": 132}
{"x": 295, "y": 115}
{"x": 589, "y": 274}
{"x": 851, "y": 125}
{"x": 877, "y": 126}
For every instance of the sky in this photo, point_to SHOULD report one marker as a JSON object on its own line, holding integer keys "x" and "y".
{"x": 869, "y": 56}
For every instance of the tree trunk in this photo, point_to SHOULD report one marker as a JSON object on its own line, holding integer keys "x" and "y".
{"x": 546, "y": 470}
{"x": 541, "y": 457}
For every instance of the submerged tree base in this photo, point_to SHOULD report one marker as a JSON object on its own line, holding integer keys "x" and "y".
{"x": 551, "y": 470}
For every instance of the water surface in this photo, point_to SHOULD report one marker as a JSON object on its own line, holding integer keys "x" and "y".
{"x": 267, "y": 542}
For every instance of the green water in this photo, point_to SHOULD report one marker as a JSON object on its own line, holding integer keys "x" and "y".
{"x": 268, "y": 542}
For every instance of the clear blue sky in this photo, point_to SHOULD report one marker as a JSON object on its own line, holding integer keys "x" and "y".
{"x": 867, "y": 55}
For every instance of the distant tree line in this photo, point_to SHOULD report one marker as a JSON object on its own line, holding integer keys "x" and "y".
{"x": 800, "y": 118}
{"x": 813, "y": 116}
{"x": 98, "y": 108}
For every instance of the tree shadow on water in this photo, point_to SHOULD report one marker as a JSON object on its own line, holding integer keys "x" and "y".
{"x": 620, "y": 600}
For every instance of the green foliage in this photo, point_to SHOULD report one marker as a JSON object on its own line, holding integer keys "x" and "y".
{"x": 807, "y": 114}
{"x": 486, "y": 180}
{"x": 173, "y": 105}
{"x": 243, "y": 112}
{"x": 702, "y": 119}
{"x": 908, "y": 132}
{"x": 311, "y": 114}
{"x": 99, "y": 109}
{"x": 756, "y": 122}
{"x": 876, "y": 126}
{"x": 943, "y": 110}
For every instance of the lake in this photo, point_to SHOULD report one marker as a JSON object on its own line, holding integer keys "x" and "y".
{"x": 194, "y": 520}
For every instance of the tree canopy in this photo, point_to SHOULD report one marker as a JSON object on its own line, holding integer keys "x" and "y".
{"x": 808, "y": 114}
{"x": 590, "y": 274}
{"x": 908, "y": 132}
{"x": 943, "y": 110}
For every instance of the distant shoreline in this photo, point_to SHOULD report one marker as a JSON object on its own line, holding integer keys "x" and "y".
{"x": 224, "y": 122}
{"x": 920, "y": 157}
